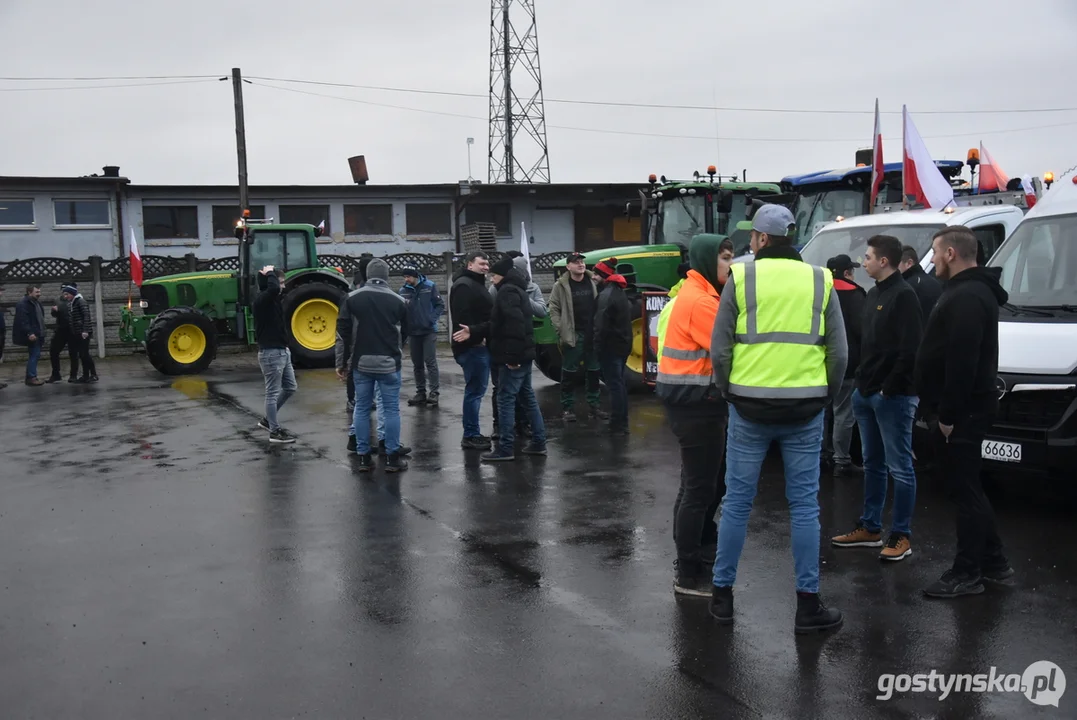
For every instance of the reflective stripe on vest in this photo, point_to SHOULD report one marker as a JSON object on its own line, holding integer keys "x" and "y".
{"x": 684, "y": 361}
{"x": 779, "y": 350}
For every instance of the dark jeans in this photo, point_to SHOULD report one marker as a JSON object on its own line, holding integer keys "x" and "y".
{"x": 82, "y": 345}
{"x": 62, "y": 339}
{"x": 701, "y": 432}
{"x": 959, "y": 460}
{"x": 521, "y": 411}
{"x": 576, "y": 362}
{"x": 613, "y": 374}
{"x": 424, "y": 360}
{"x": 475, "y": 362}
{"x": 33, "y": 350}
{"x": 510, "y": 385}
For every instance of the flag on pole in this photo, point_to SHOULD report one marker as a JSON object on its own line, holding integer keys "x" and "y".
{"x": 524, "y": 249}
{"x": 136, "y": 261}
{"x": 876, "y": 160}
{"x": 920, "y": 178}
{"x": 1030, "y": 192}
{"x": 992, "y": 179}
{"x": 321, "y": 226}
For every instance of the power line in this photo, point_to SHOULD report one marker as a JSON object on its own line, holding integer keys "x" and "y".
{"x": 565, "y": 101}
{"x": 634, "y": 133}
{"x": 103, "y": 87}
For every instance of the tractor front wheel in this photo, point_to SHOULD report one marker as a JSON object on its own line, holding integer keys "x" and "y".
{"x": 310, "y": 317}
{"x": 181, "y": 341}
{"x": 637, "y": 356}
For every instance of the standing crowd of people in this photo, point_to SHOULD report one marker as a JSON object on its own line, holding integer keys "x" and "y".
{"x": 775, "y": 351}
{"x": 73, "y": 331}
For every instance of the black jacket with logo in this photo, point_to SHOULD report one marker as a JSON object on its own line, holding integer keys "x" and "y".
{"x": 613, "y": 321}
{"x": 957, "y": 365}
{"x": 892, "y": 327}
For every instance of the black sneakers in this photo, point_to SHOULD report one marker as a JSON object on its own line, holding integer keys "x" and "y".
{"x": 598, "y": 413}
{"x": 417, "y": 399}
{"x": 396, "y": 463}
{"x": 533, "y": 448}
{"x": 263, "y": 423}
{"x": 814, "y": 616}
{"x": 695, "y": 585}
{"x": 432, "y": 401}
{"x": 498, "y": 455}
{"x": 366, "y": 463}
{"x": 402, "y": 450}
{"x": 999, "y": 576}
{"x": 478, "y": 442}
{"x": 721, "y": 608}
{"x": 281, "y": 437}
{"x": 352, "y": 444}
{"x": 955, "y": 584}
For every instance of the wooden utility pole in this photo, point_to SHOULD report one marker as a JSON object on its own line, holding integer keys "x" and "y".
{"x": 241, "y": 139}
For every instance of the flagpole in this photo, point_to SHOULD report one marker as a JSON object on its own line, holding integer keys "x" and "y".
{"x": 904, "y": 151}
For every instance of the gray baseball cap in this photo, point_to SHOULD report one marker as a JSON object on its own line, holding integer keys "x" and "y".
{"x": 773, "y": 220}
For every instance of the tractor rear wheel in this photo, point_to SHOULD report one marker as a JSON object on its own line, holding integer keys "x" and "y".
{"x": 637, "y": 356}
{"x": 548, "y": 360}
{"x": 181, "y": 341}
{"x": 310, "y": 320}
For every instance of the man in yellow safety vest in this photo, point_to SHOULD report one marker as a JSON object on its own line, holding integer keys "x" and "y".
{"x": 779, "y": 354}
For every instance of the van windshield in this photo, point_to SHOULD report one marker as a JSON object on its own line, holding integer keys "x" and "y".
{"x": 1039, "y": 263}
{"x": 853, "y": 241}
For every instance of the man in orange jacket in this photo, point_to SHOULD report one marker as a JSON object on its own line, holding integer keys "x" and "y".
{"x": 697, "y": 412}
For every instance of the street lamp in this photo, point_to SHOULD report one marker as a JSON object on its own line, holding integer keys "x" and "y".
{"x": 470, "y": 142}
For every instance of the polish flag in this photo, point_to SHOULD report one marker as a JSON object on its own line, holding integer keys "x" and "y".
{"x": 1030, "y": 192}
{"x": 321, "y": 226}
{"x": 136, "y": 261}
{"x": 992, "y": 179}
{"x": 921, "y": 180}
{"x": 876, "y": 160}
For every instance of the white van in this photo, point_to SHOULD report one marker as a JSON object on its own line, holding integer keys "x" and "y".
{"x": 991, "y": 223}
{"x": 1036, "y": 430}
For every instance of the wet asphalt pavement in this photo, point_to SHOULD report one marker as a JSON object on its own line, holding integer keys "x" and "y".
{"x": 160, "y": 559}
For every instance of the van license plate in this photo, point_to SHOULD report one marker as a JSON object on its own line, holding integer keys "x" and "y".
{"x": 1001, "y": 451}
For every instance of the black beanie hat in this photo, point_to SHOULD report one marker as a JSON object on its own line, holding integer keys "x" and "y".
{"x": 502, "y": 267}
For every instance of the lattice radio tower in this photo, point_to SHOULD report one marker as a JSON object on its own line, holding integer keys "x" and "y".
{"x": 518, "y": 152}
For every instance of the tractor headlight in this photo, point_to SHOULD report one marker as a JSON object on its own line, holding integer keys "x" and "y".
{"x": 143, "y": 304}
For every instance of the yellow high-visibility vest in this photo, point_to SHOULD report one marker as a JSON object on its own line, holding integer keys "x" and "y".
{"x": 779, "y": 350}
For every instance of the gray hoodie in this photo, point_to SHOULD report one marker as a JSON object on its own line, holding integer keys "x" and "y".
{"x": 534, "y": 292}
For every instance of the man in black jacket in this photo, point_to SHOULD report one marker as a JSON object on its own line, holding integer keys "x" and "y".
{"x": 370, "y": 329}
{"x": 927, "y": 288}
{"x": 512, "y": 346}
{"x": 840, "y": 419}
{"x": 274, "y": 357}
{"x": 613, "y": 339}
{"x": 470, "y": 305}
{"x": 884, "y": 401}
{"x": 62, "y": 339}
{"x": 81, "y": 331}
{"x": 29, "y": 331}
{"x": 956, "y": 371}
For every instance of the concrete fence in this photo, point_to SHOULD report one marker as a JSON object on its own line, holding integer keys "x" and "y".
{"x": 106, "y": 284}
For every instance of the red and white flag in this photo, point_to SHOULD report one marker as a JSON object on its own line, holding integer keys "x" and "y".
{"x": 921, "y": 180}
{"x": 992, "y": 179}
{"x": 136, "y": 261}
{"x": 1030, "y": 192}
{"x": 876, "y": 160}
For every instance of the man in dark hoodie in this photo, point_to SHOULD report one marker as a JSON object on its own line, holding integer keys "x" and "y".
{"x": 613, "y": 339}
{"x": 885, "y": 401}
{"x": 956, "y": 371}
{"x": 928, "y": 289}
{"x": 370, "y": 327}
{"x": 696, "y": 410}
{"x": 62, "y": 339}
{"x": 358, "y": 279}
{"x": 512, "y": 346}
{"x": 274, "y": 357}
{"x": 840, "y": 418}
{"x": 780, "y": 353}
{"x": 425, "y": 307}
{"x": 81, "y": 331}
{"x": 470, "y": 306}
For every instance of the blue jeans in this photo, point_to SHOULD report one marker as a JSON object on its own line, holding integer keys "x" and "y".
{"x": 31, "y": 359}
{"x": 613, "y": 374}
{"x": 886, "y": 439}
{"x": 366, "y": 385}
{"x": 746, "y": 448}
{"x": 510, "y": 384}
{"x": 276, "y": 364}
{"x": 475, "y": 362}
{"x": 380, "y": 412}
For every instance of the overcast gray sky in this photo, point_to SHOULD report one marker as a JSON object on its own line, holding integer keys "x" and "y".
{"x": 837, "y": 54}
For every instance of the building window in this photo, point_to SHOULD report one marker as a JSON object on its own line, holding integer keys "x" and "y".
{"x": 16, "y": 213}
{"x": 429, "y": 218}
{"x": 499, "y": 214}
{"x": 368, "y": 219}
{"x": 170, "y": 222}
{"x": 309, "y": 214}
{"x": 82, "y": 212}
{"x": 226, "y": 216}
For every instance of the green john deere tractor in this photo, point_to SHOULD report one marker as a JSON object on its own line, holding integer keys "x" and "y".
{"x": 185, "y": 316}
{"x": 671, "y": 214}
